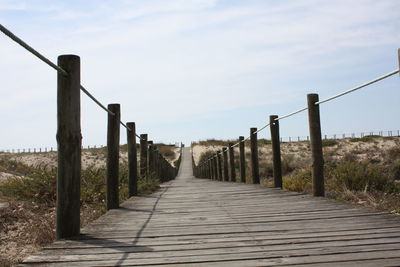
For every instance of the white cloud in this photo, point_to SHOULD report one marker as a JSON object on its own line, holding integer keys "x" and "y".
{"x": 200, "y": 55}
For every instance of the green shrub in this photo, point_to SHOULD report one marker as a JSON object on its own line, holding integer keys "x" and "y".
{"x": 149, "y": 185}
{"x": 266, "y": 170}
{"x": 93, "y": 185}
{"x": 38, "y": 185}
{"x": 15, "y": 167}
{"x": 395, "y": 170}
{"x": 393, "y": 154}
{"x": 359, "y": 176}
{"x": 367, "y": 138}
{"x": 287, "y": 161}
{"x": 329, "y": 142}
{"x": 300, "y": 181}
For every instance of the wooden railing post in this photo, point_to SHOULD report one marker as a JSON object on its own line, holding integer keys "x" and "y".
{"x": 316, "y": 145}
{"x": 194, "y": 167}
{"x": 156, "y": 162}
{"x": 226, "y": 174}
{"x": 113, "y": 157}
{"x": 151, "y": 157}
{"x": 170, "y": 170}
{"x": 69, "y": 147}
{"x": 215, "y": 167}
{"x": 161, "y": 168}
{"x": 219, "y": 166}
{"x": 254, "y": 156}
{"x": 132, "y": 160}
{"x": 276, "y": 150}
{"x": 210, "y": 166}
{"x": 232, "y": 163}
{"x": 209, "y": 169}
{"x": 143, "y": 155}
{"x": 206, "y": 170}
{"x": 242, "y": 160}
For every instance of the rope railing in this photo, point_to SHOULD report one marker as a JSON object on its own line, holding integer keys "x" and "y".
{"x": 323, "y": 101}
{"x": 359, "y": 87}
{"x": 57, "y": 68}
{"x": 69, "y": 146}
{"x": 343, "y": 93}
{"x": 332, "y": 98}
{"x": 316, "y": 103}
{"x": 30, "y": 49}
{"x": 96, "y": 101}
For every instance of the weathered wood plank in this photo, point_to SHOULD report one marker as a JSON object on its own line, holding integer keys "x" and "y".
{"x": 203, "y": 222}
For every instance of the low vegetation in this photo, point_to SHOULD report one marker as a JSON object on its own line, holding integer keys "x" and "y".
{"x": 168, "y": 151}
{"x": 364, "y": 171}
{"x": 28, "y": 195}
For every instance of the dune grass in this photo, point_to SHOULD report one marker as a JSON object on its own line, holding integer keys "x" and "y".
{"x": 31, "y": 198}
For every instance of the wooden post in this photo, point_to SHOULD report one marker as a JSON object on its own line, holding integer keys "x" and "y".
{"x": 215, "y": 167}
{"x": 113, "y": 157}
{"x": 210, "y": 160}
{"x": 232, "y": 162}
{"x": 219, "y": 166}
{"x": 143, "y": 155}
{"x": 226, "y": 174}
{"x": 155, "y": 161}
{"x": 276, "y": 150}
{"x": 161, "y": 168}
{"x": 151, "y": 157}
{"x": 209, "y": 169}
{"x": 206, "y": 171}
{"x": 316, "y": 145}
{"x": 69, "y": 141}
{"x": 132, "y": 160}
{"x": 254, "y": 156}
{"x": 242, "y": 160}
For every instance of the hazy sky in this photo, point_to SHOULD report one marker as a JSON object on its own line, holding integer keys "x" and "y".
{"x": 186, "y": 70}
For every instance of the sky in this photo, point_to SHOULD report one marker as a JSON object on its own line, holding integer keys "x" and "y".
{"x": 189, "y": 70}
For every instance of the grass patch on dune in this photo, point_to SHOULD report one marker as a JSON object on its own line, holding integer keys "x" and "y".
{"x": 168, "y": 151}
{"x": 360, "y": 182}
{"x": 31, "y": 197}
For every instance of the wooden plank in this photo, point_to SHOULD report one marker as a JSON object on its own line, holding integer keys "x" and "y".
{"x": 203, "y": 222}
{"x": 302, "y": 256}
{"x": 250, "y": 245}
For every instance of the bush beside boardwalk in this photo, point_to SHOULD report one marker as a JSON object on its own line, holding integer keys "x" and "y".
{"x": 364, "y": 170}
{"x": 28, "y": 194}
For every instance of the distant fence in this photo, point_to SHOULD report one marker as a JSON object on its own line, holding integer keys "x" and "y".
{"x": 54, "y": 149}
{"x": 221, "y": 167}
{"x": 392, "y": 133}
{"x": 69, "y": 145}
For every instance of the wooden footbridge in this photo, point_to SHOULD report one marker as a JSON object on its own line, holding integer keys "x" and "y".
{"x": 200, "y": 222}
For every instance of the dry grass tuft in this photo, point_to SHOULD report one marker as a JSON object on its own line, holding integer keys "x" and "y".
{"x": 27, "y": 213}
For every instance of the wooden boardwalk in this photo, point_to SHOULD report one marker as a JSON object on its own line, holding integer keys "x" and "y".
{"x": 196, "y": 222}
